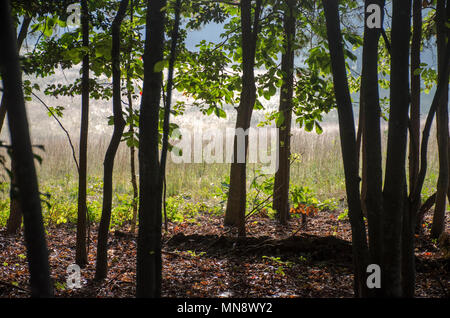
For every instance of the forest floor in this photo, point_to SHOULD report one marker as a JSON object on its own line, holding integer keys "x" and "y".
{"x": 201, "y": 258}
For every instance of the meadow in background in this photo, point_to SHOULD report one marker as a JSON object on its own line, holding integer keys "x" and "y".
{"x": 318, "y": 167}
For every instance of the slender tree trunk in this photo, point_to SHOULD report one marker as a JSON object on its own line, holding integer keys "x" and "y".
{"x": 361, "y": 146}
{"x": 373, "y": 199}
{"x": 235, "y": 211}
{"x": 394, "y": 194}
{"x": 15, "y": 213}
{"x": 348, "y": 145}
{"x": 131, "y": 131}
{"x": 282, "y": 176}
{"x": 22, "y": 155}
{"x": 442, "y": 128}
{"x": 133, "y": 167}
{"x": 148, "y": 265}
{"x": 414, "y": 129}
{"x": 409, "y": 217}
{"x": 439, "y": 95}
{"x": 2, "y": 112}
{"x": 20, "y": 38}
{"x": 101, "y": 270}
{"x": 168, "y": 99}
{"x": 81, "y": 254}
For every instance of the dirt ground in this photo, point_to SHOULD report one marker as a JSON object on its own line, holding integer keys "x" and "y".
{"x": 201, "y": 258}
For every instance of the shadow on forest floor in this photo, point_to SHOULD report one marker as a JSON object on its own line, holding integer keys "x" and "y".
{"x": 318, "y": 248}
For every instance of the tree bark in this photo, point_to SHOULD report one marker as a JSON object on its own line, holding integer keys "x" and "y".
{"x": 443, "y": 82}
{"x": 22, "y": 155}
{"x": 442, "y": 128}
{"x": 394, "y": 194}
{"x": 282, "y": 176}
{"x": 409, "y": 217}
{"x": 235, "y": 211}
{"x": 101, "y": 270}
{"x": 168, "y": 100}
{"x": 148, "y": 265}
{"x": 80, "y": 253}
{"x": 348, "y": 145}
{"x": 15, "y": 213}
{"x": 20, "y": 38}
{"x": 361, "y": 146}
{"x": 373, "y": 199}
{"x": 133, "y": 167}
{"x": 414, "y": 129}
{"x": 131, "y": 130}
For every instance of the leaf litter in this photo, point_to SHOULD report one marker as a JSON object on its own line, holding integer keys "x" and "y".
{"x": 202, "y": 258}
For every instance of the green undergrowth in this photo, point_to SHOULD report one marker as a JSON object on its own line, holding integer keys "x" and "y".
{"x": 185, "y": 201}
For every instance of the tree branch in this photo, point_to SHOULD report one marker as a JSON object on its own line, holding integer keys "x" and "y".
{"x": 62, "y": 127}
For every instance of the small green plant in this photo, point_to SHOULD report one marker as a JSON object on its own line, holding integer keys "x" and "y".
{"x": 260, "y": 191}
{"x": 4, "y": 211}
{"x": 60, "y": 286}
{"x": 328, "y": 205}
{"x": 179, "y": 209}
{"x": 122, "y": 213}
{"x": 276, "y": 261}
{"x": 302, "y": 195}
{"x": 173, "y": 208}
{"x": 194, "y": 254}
{"x": 221, "y": 191}
{"x": 343, "y": 215}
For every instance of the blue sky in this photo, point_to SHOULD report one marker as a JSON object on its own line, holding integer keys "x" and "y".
{"x": 210, "y": 32}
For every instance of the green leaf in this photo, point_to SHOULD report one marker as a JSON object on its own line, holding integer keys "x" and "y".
{"x": 309, "y": 125}
{"x": 220, "y": 113}
{"x": 279, "y": 120}
{"x": 159, "y": 66}
{"x": 319, "y": 129}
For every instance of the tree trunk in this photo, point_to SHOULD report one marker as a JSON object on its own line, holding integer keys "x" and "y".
{"x": 235, "y": 211}
{"x": 133, "y": 167}
{"x": 361, "y": 146}
{"x": 442, "y": 128}
{"x": 80, "y": 254}
{"x": 22, "y": 155}
{"x": 414, "y": 129}
{"x": 372, "y": 161}
{"x": 282, "y": 176}
{"x": 20, "y": 38}
{"x": 148, "y": 265}
{"x": 168, "y": 101}
{"x": 108, "y": 164}
{"x": 15, "y": 213}
{"x": 439, "y": 95}
{"x": 131, "y": 130}
{"x": 394, "y": 193}
{"x": 348, "y": 145}
{"x": 409, "y": 217}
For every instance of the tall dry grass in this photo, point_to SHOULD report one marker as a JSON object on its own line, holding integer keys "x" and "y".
{"x": 319, "y": 165}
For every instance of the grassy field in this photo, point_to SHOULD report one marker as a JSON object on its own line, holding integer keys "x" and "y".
{"x": 189, "y": 186}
